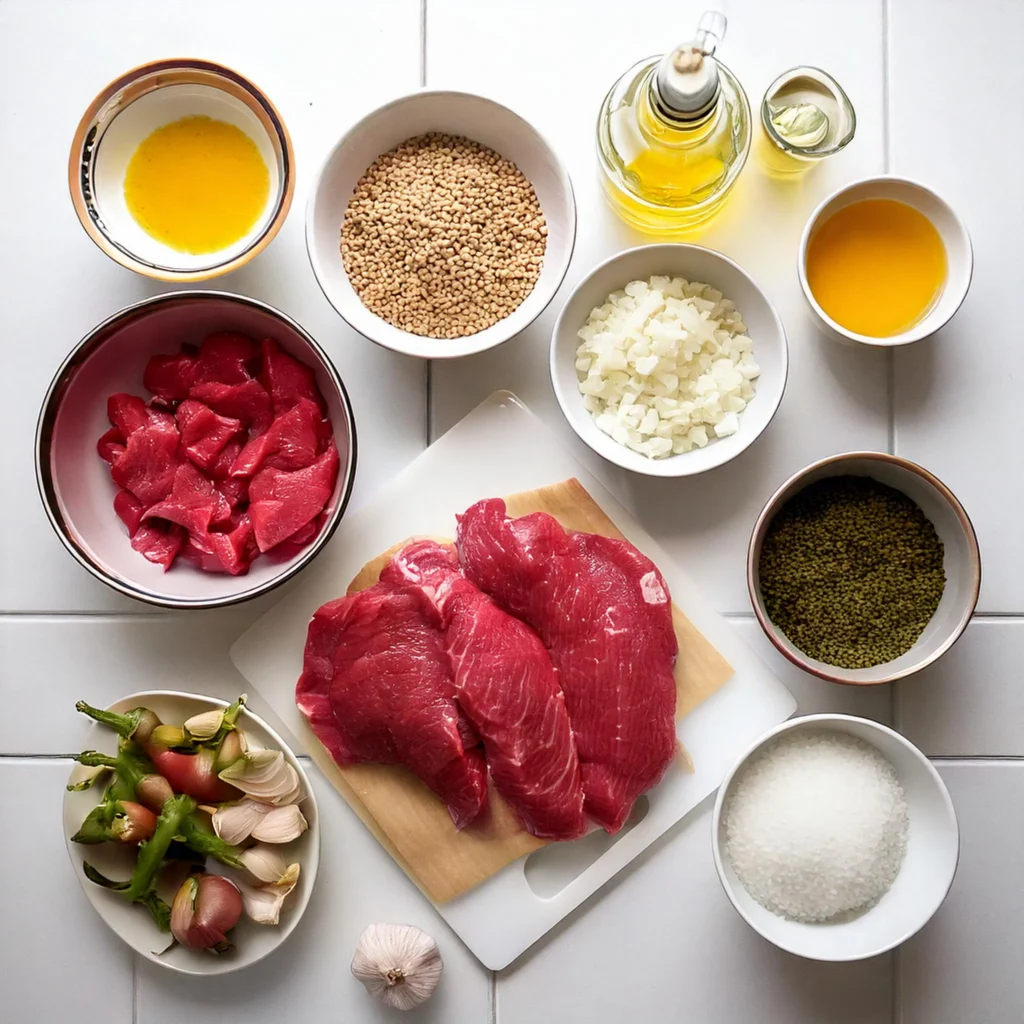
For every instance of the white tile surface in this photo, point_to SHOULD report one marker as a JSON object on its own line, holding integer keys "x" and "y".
{"x": 553, "y": 65}
{"x": 309, "y": 978}
{"x": 964, "y": 966}
{"x": 58, "y": 961}
{"x": 971, "y": 701}
{"x": 322, "y": 65}
{"x": 957, "y": 395}
{"x": 663, "y": 944}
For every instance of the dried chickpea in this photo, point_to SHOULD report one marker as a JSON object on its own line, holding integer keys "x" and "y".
{"x": 443, "y": 237}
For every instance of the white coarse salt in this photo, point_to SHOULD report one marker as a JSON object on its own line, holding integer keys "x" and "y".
{"x": 816, "y": 826}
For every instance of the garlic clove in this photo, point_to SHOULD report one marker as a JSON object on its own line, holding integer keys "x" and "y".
{"x": 266, "y": 865}
{"x": 234, "y": 822}
{"x": 399, "y": 964}
{"x": 280, "y": 825}
{"x": 83, "y": 776}
{"x": 206, "y": 725}
{"x": 263, "y": 903}
{"x": 264, "y": 775}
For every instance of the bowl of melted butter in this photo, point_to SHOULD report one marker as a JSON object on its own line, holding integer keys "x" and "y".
{"x": 884, "y": 262}
{"x": 181, "y": 170}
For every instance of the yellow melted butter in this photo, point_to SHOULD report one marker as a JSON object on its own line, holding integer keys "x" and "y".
{"x": 877, "y": 267}
{"x": 197, "y": 185}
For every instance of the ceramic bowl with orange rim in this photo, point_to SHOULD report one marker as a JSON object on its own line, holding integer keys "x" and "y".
{"x": 125, "y": 114}
{"x": 961, "y": 562}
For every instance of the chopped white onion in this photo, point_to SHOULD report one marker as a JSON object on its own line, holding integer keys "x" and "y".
{"x": 666, "y": 366}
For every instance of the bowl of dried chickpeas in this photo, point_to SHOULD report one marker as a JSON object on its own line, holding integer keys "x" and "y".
{"x": 441, "y": 224}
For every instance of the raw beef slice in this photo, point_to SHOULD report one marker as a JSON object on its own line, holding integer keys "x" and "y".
{"x": 506, "y": 685}
{"x": 604, "y": 612}
{"x": 376, "y": 686}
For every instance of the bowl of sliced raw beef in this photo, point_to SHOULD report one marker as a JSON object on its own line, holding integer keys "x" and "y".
{"x": 196, "y": 450}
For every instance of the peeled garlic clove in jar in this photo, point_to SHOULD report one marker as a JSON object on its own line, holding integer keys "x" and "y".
{"x": 399, "y": 964}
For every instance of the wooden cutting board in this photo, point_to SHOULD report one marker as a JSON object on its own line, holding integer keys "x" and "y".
{"x": 411, "y": 822}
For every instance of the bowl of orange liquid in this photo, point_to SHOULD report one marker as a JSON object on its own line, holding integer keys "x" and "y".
{"x": 884, "y": 262}
{"x": 181, "y": 170}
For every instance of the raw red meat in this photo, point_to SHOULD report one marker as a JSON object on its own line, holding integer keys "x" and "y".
{"x": 129, "y": 510}
{"x": 171, "y": 377}
{"x": 291, "y": 442}
{"x": 282, "y": 502}
{"x": 603, "y": 611}
{"x": 203, "y": 433}
{"x": 111, "y": 445}
{"x": 376, "y": 686}
{"x": 147, "y": 466}
{"x": 172, "y": 459}
{"x": 225, "y": 358}
{"x": 193, "y": 503}
{"x": 286, "y": 379}
{"x": 248, "y": 402}
{"x": 506, "y": 686}
{"x": 158, "y": 543}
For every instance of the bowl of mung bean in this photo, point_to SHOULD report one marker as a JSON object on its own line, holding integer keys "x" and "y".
{"x": 863, "y": 568}
{"x": 441, "y": 225}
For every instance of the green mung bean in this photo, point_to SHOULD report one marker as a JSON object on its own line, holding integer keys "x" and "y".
{"x": 851, "y": 571}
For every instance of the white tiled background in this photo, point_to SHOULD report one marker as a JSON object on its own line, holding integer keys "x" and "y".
{"x": 937, "y": 85}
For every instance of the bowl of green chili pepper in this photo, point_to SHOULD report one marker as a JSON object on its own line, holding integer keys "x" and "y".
{"x": 863, "y": 568}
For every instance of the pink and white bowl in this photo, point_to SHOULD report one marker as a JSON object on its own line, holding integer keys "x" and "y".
{"x": 75, "y": 484}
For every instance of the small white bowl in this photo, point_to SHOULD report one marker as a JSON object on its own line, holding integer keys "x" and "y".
{"x": 125, "y": 113}
{"x": 933, "y": 848}
{"x": 456, "y": 113}
{"x": 133, "y": 924}
{"x": 961, "y": 562}
{"x": 959, "y": 255}
{"x": 694, "y": 263}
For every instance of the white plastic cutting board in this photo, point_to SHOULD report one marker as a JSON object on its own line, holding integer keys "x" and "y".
{"x": 502, "y": 448}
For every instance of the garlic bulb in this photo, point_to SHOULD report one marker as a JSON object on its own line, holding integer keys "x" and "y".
{"x": 206, "y": 725}
{"x": 264, "y": 775}
{"x": 398, "y": 963}
{"x": 280, "y": 825}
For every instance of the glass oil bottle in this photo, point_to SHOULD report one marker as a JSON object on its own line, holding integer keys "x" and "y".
{"x": 673, "y": 134}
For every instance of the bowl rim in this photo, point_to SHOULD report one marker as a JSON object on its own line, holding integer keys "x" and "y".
{"x": 123, "y": 256}
{"x": 312, "y": 869}
{"x": 775, "y": 503}
{"x": 314, "y": 194}
{"x": 89, "y": 344}
{"x": 825, "y": 719}
{"x": 915, "y": 333}
{"x": 679, "y": 461}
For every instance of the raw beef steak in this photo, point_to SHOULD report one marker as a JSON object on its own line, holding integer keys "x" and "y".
{"x": 603, "y": 611}
{"x": 376, "y": 686}
{"x": 506, "y": 685}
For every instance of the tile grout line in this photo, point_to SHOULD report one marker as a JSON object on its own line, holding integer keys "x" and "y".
{"x": 135, "y": 988}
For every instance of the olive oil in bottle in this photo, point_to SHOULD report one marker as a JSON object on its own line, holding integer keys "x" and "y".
{"x": 673, "y": 134}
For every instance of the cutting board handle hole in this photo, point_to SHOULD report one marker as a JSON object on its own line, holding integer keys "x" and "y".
{"x": 549, "y": 870}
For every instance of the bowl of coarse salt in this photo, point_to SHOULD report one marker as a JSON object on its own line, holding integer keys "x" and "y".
{"x": 441, "y": 224}
{"x": 835, "y": 838}
{"x": 669, "y": 360}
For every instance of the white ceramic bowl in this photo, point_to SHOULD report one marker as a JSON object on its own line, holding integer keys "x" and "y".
{"x": 75, "y": 484}
{"x": 457, "y": 113}
{"x": 130, "y": 109}
{"x": 694, "y": 263}
{"x": 933, "y": 847}
{"x": 133, "y": 924}
{"x": 959, "y": 255}
{"x": 961, "y": 562}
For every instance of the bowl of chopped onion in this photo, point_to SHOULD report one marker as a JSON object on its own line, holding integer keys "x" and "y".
{"x": 669, "y": 360}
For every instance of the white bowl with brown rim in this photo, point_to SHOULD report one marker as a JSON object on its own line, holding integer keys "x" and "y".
{"x": 454, "y": 113}
{"x": 961, "y": 562}
{"x": 124, "y": 114}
